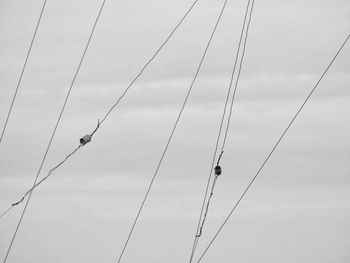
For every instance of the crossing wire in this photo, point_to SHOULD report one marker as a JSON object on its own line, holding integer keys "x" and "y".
{"x": 117, "y": 102}
{"x": 38, "y": 183}
{"x": 272, "y": 151}
{"x": 173, "y": 131}
{"x": 54, "y": 131}
{"x": 204, "y": 203}
{"x": 47, "y": 176}
{"x": 22, "y": 72}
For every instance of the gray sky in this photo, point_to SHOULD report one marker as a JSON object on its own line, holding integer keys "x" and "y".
{"x": 299, "y": 208}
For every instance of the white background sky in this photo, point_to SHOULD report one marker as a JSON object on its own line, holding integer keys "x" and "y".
{"x": 299, "y": 208}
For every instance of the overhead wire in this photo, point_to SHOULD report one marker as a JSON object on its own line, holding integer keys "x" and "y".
{"x": 22, "y": 72}
{"x": 238, "y": 78}
{"x": 128, "y": 87}
{"x": 173, "y": 130}
{"x": 6, "y": 211}
{"x": 51, "y": 171}
{"x": 206, "y": 203}
{"x": 44, "y": 178}
{"x": 54, "y": 131}
{"x": 148, "y": 62}
{"x": 272, "y": 151}
{"x": 29, "y": 192}
{"x": 38, "y": 183}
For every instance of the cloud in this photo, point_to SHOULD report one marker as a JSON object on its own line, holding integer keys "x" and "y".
{"x": 92, "y": 198}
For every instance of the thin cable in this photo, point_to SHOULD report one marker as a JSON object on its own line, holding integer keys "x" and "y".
{"x": 199, "y": 225}
{"x": 173, "y": 131}
{"x": 37, "y": 184}
{"x": 207, "y": 206}
{"x": 54, "y": 130}
{"x": 238, "y": 77}
{"x": 52, "y": 170}
{"x": 22, "y": 72}
{"x": 273, "y": 149}
{"x": 6, "y": 211}
{"x": 149, "y": 61}
{"x": 139, "y": 74}
{"x": 47, "y": 176}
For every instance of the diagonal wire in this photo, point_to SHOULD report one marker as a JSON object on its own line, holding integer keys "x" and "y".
{"x": 22, "y": 72}
{"x": 273, "y": 149}
{"x": 6, "y": 211}
{"x": 52, "y": 170}
{"x": 149, "y": 61}
{"x": 38, "y": 183}
{"x": 47, "y": 176}
{"x": 199, "y": 224}
{"x": 54, "y": 130}
{"x": 173, "y": 131}
{"x": 237, "y": 79}
{"x": 124, "y": 93}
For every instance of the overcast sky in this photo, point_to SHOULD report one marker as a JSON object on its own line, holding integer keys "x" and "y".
{"x": 297, "y": 211}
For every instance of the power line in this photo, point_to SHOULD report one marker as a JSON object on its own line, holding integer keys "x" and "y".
{"x": 119, "y": 99}
{"x": 6, "y": 211}
{"x": 22, "y": 72}
{"x": 52, "y": 170}
{"x": 54, "y": 130}
{"x": 41, "y": 180}
{"x": 237, "y": 79}
{"x": 44, "y": 178}
{"x": 149, "y": 61}
{"x": 273, "y": 149}
{"x": 173, "y": 131}
{"x": 199, "y": 224}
